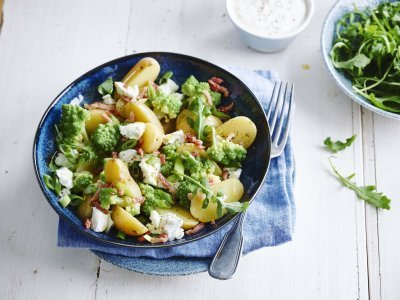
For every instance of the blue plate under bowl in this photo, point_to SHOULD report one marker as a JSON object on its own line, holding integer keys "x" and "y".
{"x": 340, "y": 8}
{"x": 254, "y": 168}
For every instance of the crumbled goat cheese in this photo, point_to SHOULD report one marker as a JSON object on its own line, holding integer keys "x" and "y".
{"x": 174, "y": 137}
{"x": 151, "y": 170}
{"x": 129, "y": 156}
{"x": 62, "y": 161}
{"x": 65, "y": 177}
{"x": 167, "y": 223}
{"x": 127, "y": 91}
{"x": 133, "y": 131}
{"x": 99, "y": 221}
{"x": 168, "y": 88}
{"x": 107, "y": 99}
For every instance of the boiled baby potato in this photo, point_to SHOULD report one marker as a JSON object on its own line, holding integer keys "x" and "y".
{"x": 152, "y": 138}
{"x": 143, "y": 114}
{"x": 115, "y": 170}
{"x": 187, "y": 218}
{"x": 169, "y": 126}
{"x": 84, "y": 210}
{"x": 147, "y": 69}
{"x": 182, "y": 121}
{"x": 120, "y": 107}
{"x": 232, "y": 188}
{"x": 192, "y": 148}
{"x": 96, "y": 118}
{"x": 244, "y": 131}
{"x": 127, "y": 223}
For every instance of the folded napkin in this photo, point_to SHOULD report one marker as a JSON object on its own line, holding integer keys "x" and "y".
{"x": 269, "y": 220}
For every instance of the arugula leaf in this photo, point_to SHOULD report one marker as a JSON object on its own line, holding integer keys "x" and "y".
{"x": 106, "y": 87}
{"x": 358, "y": 61}
{"x": 337, "y": 146}
{"x": 367, "y": 193}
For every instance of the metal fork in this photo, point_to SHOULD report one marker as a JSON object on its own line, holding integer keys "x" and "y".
{"x": 226, "y": 260}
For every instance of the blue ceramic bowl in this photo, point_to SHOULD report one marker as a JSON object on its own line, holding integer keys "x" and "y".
{"x": 254, "y": 168}
{"x": 340, "y": 8}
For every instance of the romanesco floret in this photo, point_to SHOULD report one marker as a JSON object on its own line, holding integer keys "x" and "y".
{"x": 72, "y": 125}
{"x": 108, "y": 197}
{"x": 168, "y": 105}
{"x": 154, "y": 198}
{"x": 191, "y": 164}
{"x": 193, "y": 88}
{"x": 167, "y": 168}
{"x": 81, "y": 181}
{"x": 225, "y": 152}
{"x": 184, "y": 189}
{"x": 170, "y": 151}
{"x": 106, "y": 137}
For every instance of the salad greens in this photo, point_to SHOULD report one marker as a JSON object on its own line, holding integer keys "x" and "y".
{"x": 367, "y": 49}
{"x": 367, "y": 193}
{"x": 337, "y": 146}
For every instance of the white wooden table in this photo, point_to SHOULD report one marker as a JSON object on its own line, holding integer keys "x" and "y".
{"x": 342, "y": 248}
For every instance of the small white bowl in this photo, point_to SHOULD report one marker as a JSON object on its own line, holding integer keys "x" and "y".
{"x": 266, "y": 43}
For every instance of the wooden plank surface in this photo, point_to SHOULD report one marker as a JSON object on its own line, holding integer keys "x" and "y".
{"x": 341, "y": 249}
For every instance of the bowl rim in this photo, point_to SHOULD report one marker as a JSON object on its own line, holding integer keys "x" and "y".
{"x": 123, "y": 243}
{"x": 325, "y": 50}
{"x": 304, "y": 24}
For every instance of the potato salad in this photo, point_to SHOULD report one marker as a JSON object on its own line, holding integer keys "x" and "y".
{"x": 149, "y": 158}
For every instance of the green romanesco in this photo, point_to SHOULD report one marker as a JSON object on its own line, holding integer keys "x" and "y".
{"x": 168, "y": 106}
{"x": 167, "y": 168}
{"x": 108, "y": 197}
{"x": 106, "y": 137}
{"x": 191, "y": 164}
{"x": 225, "y": 152}
{"x": 81, "y": 181}
{"x": 184, "y": 189}
{"x": 154, "y": 198}
{"x": 170, "y": 152}
{"x": 192, "y": 88}
{"x": 72, "y": 125}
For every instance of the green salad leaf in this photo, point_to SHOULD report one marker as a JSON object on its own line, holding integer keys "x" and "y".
{"x": 366, "y": 48}
{"x": 106, "y": 87}
{"x": 337, "y": 146}
{"x": 367, "y": 193}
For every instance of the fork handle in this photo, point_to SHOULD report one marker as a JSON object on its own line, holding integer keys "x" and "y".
{"x": 226, "y": 260}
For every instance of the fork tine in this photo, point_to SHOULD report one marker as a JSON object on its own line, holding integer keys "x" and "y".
{"x": 271, "y": 102}
{"x": 289, "y": 119}
{"x": 279, "y": 100}
{"x": 277, "y": 132}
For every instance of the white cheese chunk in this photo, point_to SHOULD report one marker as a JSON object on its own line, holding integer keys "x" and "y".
{"x": 151, "y": 167}
{"x": 167, "y": 223}
{"x": 174, "y": 137}
{"x": 62, "y": 161}
{"x": 65, "y": 177}
{"x": 133, "y": 131}
{"x": 127, "y": 91}
{"x": 107, "y": 99}
{"x": 129, "y": 156}
{"x": 99, "y": 221}
{"x": 168, "y": 88}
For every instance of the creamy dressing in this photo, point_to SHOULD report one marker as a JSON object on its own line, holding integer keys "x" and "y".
{"x": 270, "y": 17}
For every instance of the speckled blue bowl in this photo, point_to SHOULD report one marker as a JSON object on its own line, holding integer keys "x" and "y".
{"x": 254, "y": 168}
{"x": 340, "y": 8}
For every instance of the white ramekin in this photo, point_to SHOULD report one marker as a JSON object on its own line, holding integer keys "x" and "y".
{"x": 267, "y": 43}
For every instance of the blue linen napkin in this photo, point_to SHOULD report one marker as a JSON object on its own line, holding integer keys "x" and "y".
{"x": 270, "y": 218}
